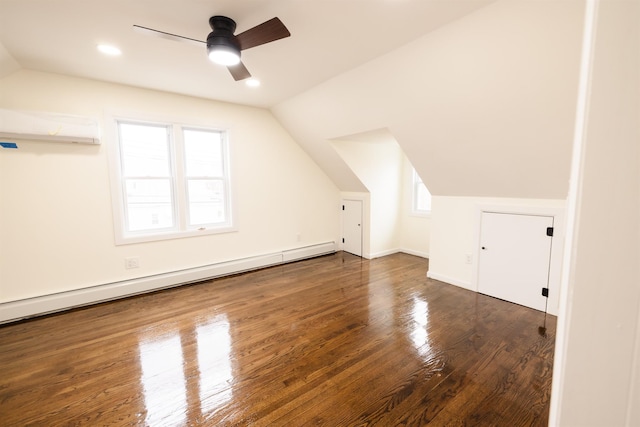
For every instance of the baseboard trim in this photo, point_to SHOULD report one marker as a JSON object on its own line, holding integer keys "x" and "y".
{"x": 46, "y": 304}
{"x": 384, "y": 253}
{"x": 416, "y": 253}
{"x": 450, "y": 280}
{"x": 395, "y": 251}
{"x": 311, "y": 251}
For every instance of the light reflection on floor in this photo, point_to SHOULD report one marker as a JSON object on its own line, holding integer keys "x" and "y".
{"x": 420, "y": 335}
{"x": 164, "y": 361}
{"x": 214, "y": 351}
{"x": 163, "y": 381}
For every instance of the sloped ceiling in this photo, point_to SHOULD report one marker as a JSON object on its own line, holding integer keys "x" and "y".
{"x": 8, "y": 65}
{"x": 328, "y": 37}
{"x": 483, "y": 106}
{"x": 479, "y": 94}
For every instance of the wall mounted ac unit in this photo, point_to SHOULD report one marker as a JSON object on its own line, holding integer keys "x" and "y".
{"x": 41, "y": 126}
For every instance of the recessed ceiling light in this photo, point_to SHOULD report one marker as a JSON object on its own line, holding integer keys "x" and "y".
{"x": 253, "y": 82}
{"x": 109, "y": 50}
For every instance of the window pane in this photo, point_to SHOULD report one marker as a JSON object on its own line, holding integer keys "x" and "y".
{"x": 203, "y": 153}
{"x": 421, "y": 195}
{"x": 161, "y": 199}
{"x": 206, "y": 201}
{"x": 148, "y": 204}
{"x": 423, "y": 202}
{"x": 145, "y": 150}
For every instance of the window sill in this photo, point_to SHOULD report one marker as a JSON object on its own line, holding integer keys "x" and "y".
{"x": 170, "y": 235}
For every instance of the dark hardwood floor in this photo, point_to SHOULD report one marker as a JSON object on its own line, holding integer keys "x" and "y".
{"x": 334, "y": 341}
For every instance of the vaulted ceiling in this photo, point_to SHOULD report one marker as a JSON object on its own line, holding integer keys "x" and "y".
{"x": 482, "y": 107}
{"x": 480, "y": 94}
{"x": 328, "y": 38}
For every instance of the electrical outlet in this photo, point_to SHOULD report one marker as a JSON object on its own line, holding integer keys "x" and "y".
{"x": 468, "y": 258}
{"x": 133, "y": 262}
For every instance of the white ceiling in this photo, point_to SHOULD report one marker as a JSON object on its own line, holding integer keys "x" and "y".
{"x": 329, "y": 37}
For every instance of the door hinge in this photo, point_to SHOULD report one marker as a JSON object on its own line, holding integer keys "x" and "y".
{"x": 343, "y": 240}
{"x": 545, "y": 292}
{"x": 550, "y": 231}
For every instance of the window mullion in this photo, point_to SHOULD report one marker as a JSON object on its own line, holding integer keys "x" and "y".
{"x": 158, "y": 199}
{"x": 226, "y": 184}
{"x": 180, "y": 181}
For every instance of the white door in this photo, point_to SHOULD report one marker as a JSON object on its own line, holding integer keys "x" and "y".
{"x": 352, "y": 226}
{"x": 514, "y": 257}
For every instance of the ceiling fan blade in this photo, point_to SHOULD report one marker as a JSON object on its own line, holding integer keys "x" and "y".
{"x": 239, "y": 71}
{"x": 266, "y": 32}
{"x": 168, "y": 36}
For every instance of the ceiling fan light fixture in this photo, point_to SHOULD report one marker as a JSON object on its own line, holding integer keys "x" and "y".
{"x": 222, "y": 48}
{"x": 224, "y": 55}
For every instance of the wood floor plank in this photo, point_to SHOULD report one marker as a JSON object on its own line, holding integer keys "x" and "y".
{"x": 335, "y": 341}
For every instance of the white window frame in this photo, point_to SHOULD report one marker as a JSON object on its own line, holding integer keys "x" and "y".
{"x": 179, "y": 184}
{"x": 416, "y": 182}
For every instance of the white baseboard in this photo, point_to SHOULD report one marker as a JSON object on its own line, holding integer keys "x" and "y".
{"x": 21, "y": 309}
{"x": 416, "y": 253}
{"x": 450, "y": 280}
{"x": 395, "y": 251}
{"x": 384, "y": 253}
{"x": 308, "y": 251}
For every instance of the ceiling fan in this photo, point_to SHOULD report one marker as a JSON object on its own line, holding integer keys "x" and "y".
{"x": 223, "y": 47}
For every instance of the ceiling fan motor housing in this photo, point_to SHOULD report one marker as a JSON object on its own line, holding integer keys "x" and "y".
{"x": 223, "y": 46}
{"x": 222, "y": 34}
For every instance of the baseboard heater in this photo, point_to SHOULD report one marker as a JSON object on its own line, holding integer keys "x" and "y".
{"x": 46, "y": 304}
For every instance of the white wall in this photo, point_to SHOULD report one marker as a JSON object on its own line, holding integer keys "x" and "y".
{"x": 56, "y": 223}
{"x": 379, "y": 166}
{"x": 597, "y": 362}
{"x": 415, "y": 230}
{"x": 390, "y": 225}
{"x": 482, "y": 106}
{"x": 455, "y": 229}
{"x": 633, "y": 418}
{"x": 452, "y": 237}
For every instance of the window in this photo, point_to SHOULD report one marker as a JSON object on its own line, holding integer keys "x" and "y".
{"x": 421, "y": 196}
{"x": 174, "y": 181}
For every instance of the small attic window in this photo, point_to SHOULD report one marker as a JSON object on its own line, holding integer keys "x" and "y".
{"x": 421, "y": 204}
